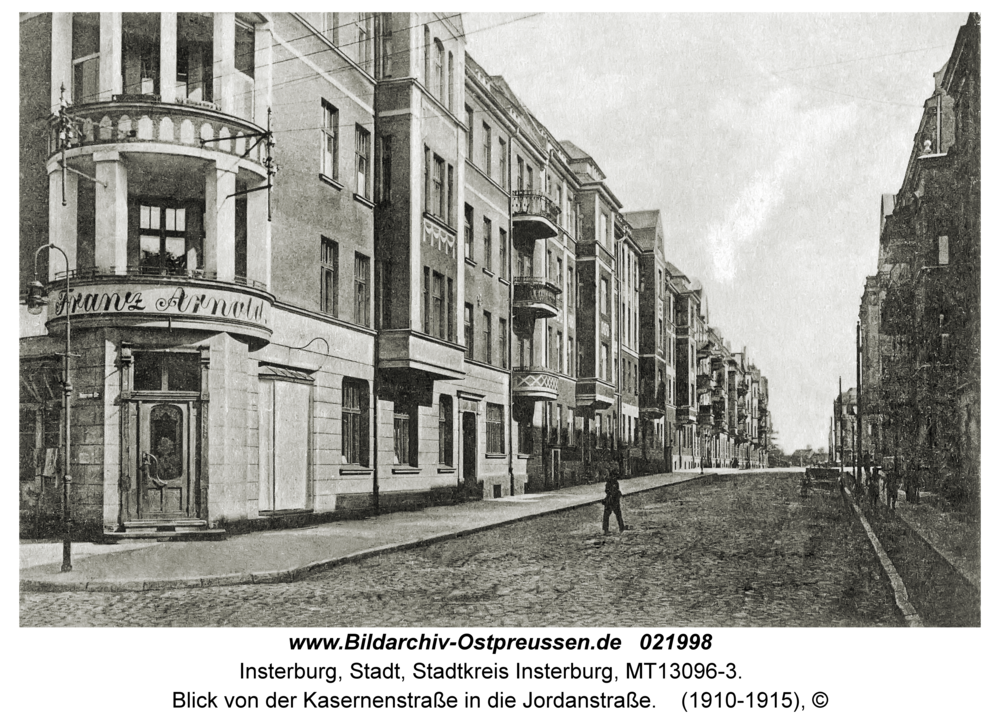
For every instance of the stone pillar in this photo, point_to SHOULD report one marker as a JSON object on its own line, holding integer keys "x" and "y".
{"x": 220, "y": 222}
{"x": 62, "y": 58}
{"x": 111, "y": 56}
{"x": 62, "y": 221}
{"x": 223, "y": 52}
{"x": 111, "y": 198}
{"x": 258, "y": 236}
{"x": 168, "y": 57}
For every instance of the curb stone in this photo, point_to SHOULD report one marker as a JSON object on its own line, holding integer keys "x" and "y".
{"x": 292, "y": 574}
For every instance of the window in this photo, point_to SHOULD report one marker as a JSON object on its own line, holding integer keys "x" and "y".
{"x": 427, "y": 300}
{"x": 470, "y": 347}
{"x": 243, "y": 57}
{"x": 605, "y": 298}
{"x": 437, "y": 189}
{"x": 469, "y": 213}
{"x": 362, "y": 268}
{"x": 448, "y": 214}
{"x": 364, "y": 26}
{"x": 86, "y": 57}
{"x": 559, "y": 352}
{"x": 520, "y": 173}
{"x": 569, "y": 356}
{"x": 602, "y": 230}
{"x": 194, "y": 57}
{"x": 487, "y": 150}
{"x": 468, "y": 133}
{"x": 450, "y": 306}
{"x": 159, "y": 371}
{"x": 525, "y": 437}
{"x": 502, "y": 152}
{"x": 570, "y": 289}
{"x": 404, "y": 442}
{"x": 330, "y": 27}
{"x": 328, "y": 276}
{"x": 140, "y": 53}
{"x": 383, "y": 285}
{"x": 427, "y": 57}
{"x": 529, "y": 177}
{"x": 384, "y": 194}
{"x": 354, "y": 423}
{"x": 331, "y": 121}
{"x": 604, "y": 361}
{"x": 488, "y": 336}
{"x": 386, "y": 60}
{"x": 487, "y": 243}
{"x": 503, "y": 342}
{"x": 446, "y": 430}
{"x": 170, "y": 239}
{"x": 943, "y": 250}
{"x": 502, "y": 268}
{"x": 451, "y": 81}
{"x": 361, "y": 154}
{"x": 550, "y": 344}
{"x": 495, "y": 429}
{"x": 437, "y": 70}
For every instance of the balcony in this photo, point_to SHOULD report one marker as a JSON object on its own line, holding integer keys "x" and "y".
{"x": 537, "y": 297}
{"x": 652, "y": 404}
{"x": 534, "y": 214}
{"x": 536, "y": 383}
{"x": 705, "y": 382}
{"x": 594, "y": 393}
{"x": 405, "y": 350}
{"x": 146, "y": 123}
{"x": 705, "y": 416}
{"x": 190, "y": 300}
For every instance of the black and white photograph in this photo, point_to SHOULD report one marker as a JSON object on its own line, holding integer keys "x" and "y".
{"x": 366, "y": 327}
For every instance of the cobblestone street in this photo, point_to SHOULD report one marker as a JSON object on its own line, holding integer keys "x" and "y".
{"x": 733, "y": 551}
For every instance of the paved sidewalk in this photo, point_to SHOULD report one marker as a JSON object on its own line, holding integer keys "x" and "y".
{"x": 285, "y": 555}
{"x": 956, "y": 541}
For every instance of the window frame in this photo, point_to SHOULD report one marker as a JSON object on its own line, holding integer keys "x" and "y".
{"x": 354, "y": 433}
{"x": 329, "y": 272}
{"x": 496, "y": 429}
{"x": 362, "y": 159}
{"x": 330, "y": 136}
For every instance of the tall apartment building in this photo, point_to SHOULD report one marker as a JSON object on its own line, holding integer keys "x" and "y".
{"x": 920, "y": 313}
{"x": 320, "y": 265}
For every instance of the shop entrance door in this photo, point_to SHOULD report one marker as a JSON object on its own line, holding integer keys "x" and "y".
{"x": 165, "y": 459}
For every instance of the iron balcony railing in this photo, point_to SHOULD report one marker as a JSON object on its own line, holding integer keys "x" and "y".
{"x": 528, "y": 291}
{"x": 81, "y": 274}
{"x": 526, "y": 202}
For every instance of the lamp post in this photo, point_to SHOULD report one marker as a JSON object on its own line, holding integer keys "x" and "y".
{"x": 36, "y": 301}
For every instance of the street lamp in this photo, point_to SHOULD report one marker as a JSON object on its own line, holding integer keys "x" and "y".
{"x": 36, "y": 301}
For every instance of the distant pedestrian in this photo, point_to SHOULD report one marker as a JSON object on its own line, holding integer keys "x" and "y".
{"x": 891, "y": 492}
{"x": 613, "y": 501}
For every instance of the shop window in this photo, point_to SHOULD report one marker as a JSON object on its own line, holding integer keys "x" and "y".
{"x": 495, "y": 429}
{"x": 354, "y": 422}
{"x": 446, "y": 430}
{"x": 161, "y": 371}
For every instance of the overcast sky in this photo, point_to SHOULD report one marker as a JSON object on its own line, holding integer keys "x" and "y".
{"x": 765, "y": 140}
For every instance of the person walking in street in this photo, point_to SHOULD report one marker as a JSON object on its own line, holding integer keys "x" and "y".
{"x": 613, "y": 501}
{"x": 891, "y": 491}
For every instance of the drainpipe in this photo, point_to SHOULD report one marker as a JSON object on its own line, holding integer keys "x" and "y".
{"x": 377, "y": 179}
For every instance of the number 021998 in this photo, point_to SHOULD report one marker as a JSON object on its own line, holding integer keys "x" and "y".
{"x": 659, "y": 642}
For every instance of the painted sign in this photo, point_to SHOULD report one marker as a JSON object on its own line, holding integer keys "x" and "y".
{"x": 161, "y": 300}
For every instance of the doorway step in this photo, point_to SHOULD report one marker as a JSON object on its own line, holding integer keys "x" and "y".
{"x": 164, "y": 530}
